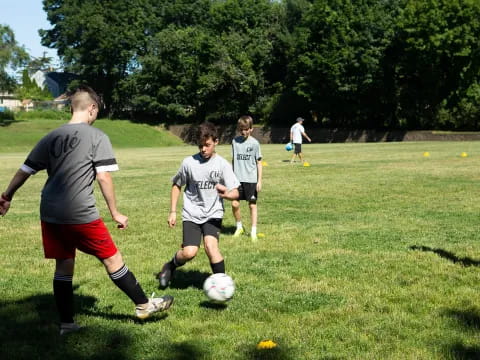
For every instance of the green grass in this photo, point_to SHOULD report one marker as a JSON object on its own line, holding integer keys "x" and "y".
{"x": 23, "y": 134}
{"x": 370, "y": 253}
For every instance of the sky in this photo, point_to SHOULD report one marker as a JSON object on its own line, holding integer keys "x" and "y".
{"x": 25, "y": 17}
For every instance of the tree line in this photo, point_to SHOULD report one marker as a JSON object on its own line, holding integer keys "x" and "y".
{"x": 398, "y": 64}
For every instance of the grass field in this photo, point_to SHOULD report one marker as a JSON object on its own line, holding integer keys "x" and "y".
{"x": 370, "y": 253}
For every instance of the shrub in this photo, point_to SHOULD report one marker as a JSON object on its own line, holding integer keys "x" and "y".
{"x": 6, "y": 117}
{"x": 43, "y": 114}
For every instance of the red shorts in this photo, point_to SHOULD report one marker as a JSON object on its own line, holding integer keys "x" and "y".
{"x": 61, "y": 240}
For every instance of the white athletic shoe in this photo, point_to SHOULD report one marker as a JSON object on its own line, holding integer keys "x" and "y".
{"x": 154, "y": 305}
{"x": 66, "y": 328}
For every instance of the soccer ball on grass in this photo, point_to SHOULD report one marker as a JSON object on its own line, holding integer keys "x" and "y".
{"x": 219, "y": 287}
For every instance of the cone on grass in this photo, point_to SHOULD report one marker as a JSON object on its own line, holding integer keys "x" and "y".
{"x": 306, "y": 164}
{"x": 463, "y": 154}
{"x": 266, "y": 344}
{"x": 426, "y": 154}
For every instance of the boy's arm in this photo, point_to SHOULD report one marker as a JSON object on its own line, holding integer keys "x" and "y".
{"x": 106, "y": 186}
{"x": 174, "y": 195}
{"x": 17, "y": 181}
{"x": 259, "y": 175}
{"x": 224, "y": 193}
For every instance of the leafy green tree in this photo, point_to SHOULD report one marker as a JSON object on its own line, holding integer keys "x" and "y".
{"x": 336, "y": 64}
{"x": 42, "y": 63}
{"x": 99, "y": 40}
{"x": 12, "y": 56}
{"x": 29, "y": 89}
{"x": 214, "y": 69}
{"x": 439, "y": 64}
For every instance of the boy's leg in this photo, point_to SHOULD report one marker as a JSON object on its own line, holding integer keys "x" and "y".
{"x": 213, "y": 252}
{"x": 238, "y": 218}
{"x": 124, "y": 279}
{"x": 180, "y": 258}
{"x": 211, "y": 233}
{"x": 63, "y": 290}
{"x": 191, "y": 242}
{"x": 253, "y": 216}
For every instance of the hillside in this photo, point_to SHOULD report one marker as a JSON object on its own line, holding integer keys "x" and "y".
{"x": 22, "y": 135}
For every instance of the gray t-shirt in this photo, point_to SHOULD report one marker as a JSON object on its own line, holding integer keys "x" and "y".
{"x": 245, "y": 154}
{"x": 201, "y": 201}
{"x": 72, "y": 155}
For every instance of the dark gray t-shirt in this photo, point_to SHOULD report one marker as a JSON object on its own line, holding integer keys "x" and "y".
{"x": 72, "y": 155}
{"x": 201, "y": 201}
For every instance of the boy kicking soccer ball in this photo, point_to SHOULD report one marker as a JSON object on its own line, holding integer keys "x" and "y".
{"x": 74, "y": 155}
{"x": 208, "y": 179}
{"x": 247, "y": 166}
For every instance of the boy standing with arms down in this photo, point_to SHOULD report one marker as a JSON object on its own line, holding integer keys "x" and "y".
{"x": 208, "y": 179}
{"x": 247, "y": 165}
{"x": 74, "y": 155}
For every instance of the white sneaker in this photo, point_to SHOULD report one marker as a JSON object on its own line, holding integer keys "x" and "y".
{"x": 154, "y": 305}
{"x": 66, "y": 328}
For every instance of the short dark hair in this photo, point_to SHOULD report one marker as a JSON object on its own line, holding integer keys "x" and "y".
{"x": 206, "y": 131}
{"x": 75, "y": 93}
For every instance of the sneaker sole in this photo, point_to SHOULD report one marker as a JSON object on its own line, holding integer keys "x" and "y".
{"x": 164, "y": 306}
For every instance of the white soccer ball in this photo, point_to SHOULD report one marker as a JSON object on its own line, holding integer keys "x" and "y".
{"x": 219, "y": 287}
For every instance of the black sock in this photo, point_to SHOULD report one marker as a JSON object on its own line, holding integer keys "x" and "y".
{"x": 174, "y": 263}
{"x": 126, "y": 282}
{"x": 63, "y": 293}
{"x": 218, "y": 267}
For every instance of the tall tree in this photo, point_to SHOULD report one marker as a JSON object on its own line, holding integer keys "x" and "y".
{"x": 99, "y": 40}
{"x": 439, "y": 63}
{"x": 12, "y": 56}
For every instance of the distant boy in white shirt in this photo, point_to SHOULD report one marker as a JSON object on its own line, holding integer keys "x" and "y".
{"x": 208, "y": 179}
{"x": 296, "y": 133}
{"x": 247, "y": 165}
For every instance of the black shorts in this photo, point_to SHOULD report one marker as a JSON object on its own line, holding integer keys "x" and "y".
{"x": 248, "y": 191}
{"x": 194, "y": 233}
{"x": 298, "y": 148}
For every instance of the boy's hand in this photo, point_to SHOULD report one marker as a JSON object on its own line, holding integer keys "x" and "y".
{"x": 259, "y": 186}
{"x": 221, "y": 189}
{"x": 4, "y": 206}
{"x": 172, "y": 219}
{"x": 121, "y": 220}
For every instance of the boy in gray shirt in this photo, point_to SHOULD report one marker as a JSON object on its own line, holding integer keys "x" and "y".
{"x": 247, "y": 165}
{"x": 74, "y": 155}
{"x": 208, "y": 179}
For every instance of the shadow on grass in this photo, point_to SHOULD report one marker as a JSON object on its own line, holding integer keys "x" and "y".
{"x": 213, "y": 305}
{"x": 29, "y": 329}
{"x": 468, "y": 319}
{"x": 184, "y": 279}
{"x": 228, "y": 230}
{"x": 464, "y": 261}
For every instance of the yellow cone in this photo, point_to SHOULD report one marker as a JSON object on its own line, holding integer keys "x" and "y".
{"x": 266, "y": 344}
{"x": 264, "y": 163}
{"x": 261, "y": 235}
{"x": 306, "y": 164}
{"x": 463, "y": 154}
{"x": 426, "y": 154}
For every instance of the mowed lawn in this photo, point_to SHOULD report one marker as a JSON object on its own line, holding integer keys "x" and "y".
{"x": 372, "y": 252}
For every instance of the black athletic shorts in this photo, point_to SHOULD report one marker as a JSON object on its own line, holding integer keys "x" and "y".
{"x": 248, "y": 191}
{"x": 194, "y": 233}
{"x": 298, "y": 148}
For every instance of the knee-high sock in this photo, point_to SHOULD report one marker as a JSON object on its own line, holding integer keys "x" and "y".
{"x": 63, "y": 293}
{"x": 218, "y": 267}
{"x": 127, "y": 282}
